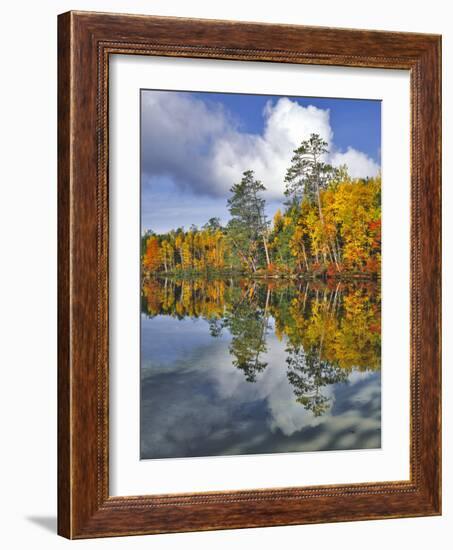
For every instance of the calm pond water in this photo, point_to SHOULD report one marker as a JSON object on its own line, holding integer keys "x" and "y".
{"x": 233, "y": 367}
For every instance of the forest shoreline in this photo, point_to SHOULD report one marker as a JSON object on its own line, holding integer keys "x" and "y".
{"x": 307, "y": 276}
{"x": 330, "y": 229}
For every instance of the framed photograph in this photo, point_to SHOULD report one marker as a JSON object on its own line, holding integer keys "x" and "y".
{"x": 249, "y": 275}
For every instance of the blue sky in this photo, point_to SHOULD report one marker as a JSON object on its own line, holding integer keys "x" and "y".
{"x": 195, "y": 146}
{"x": 356, "y": 123}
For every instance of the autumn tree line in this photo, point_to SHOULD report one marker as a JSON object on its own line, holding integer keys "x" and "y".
{"x": 330, "y": 226}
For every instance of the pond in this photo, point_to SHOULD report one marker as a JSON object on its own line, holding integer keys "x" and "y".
{"x": 241, "y": 366}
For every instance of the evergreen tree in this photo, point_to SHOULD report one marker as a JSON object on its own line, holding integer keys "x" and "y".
{"x": 307, "y": 176}
{"x": 248, "y": 225}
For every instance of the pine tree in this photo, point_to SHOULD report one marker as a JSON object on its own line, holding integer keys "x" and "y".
{"x": 307, "y": 176}
{"x": 248, "y": 225}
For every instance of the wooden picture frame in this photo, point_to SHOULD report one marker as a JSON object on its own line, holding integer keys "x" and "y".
{"x": 85, "y": 42}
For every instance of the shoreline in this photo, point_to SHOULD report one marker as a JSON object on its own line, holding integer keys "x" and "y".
{"x": 307, "y": 276}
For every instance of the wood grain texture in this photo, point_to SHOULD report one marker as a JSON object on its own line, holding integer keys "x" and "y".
{"x": 64, "y": 370}
{"x": 85, "y": 42}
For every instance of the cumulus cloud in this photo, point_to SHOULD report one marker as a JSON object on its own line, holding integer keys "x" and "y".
{"x": 359, "y": 165}
{"x": 200, "y": 146}
{"x": 178, "y": 133}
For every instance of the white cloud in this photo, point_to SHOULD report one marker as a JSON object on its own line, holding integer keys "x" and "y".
{"x": 199, "y": 145}
{"x": 286, "y": 125}
{"x": 359, "y": 165}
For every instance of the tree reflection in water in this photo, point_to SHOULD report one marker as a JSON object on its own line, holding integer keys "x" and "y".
{"x": 330, "y": 328}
